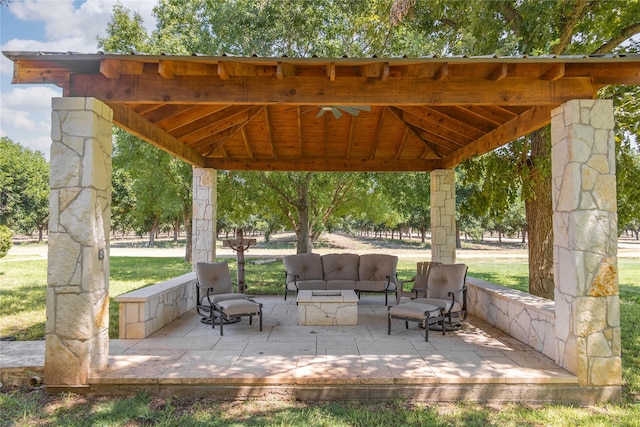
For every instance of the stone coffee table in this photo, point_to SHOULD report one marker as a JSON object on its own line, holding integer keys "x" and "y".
{"x": 327, "y": 308}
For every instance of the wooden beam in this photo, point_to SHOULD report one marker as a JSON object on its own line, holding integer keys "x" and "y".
{"x": 56, "y": 76}
{"x": 442, "y": 72}
{"x": 298, "y": 90}
{"x": 323, "y": 165}
{"x": 385, "y": 72}
{"x": 137, "y": 125}
{"x": 555, "y": 72}
{"x": 113, "y": 68}
{"x": 245, "y": 140}
{"x": 285, "y": 69}
{"x": 414, "y": 129}
{"x": 377, "y": 70}
{"x": 166, "y": 69}
{"x": 331, "y": 71}
{"x": 527, "y": 122}
{"x": 498, "y": 73}
{"x": 223, "y": 71}
{"x": 447, "y": 122}
{"x": 222, "y": 136}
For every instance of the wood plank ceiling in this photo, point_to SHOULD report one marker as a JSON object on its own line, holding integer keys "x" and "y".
{"x": 251, "y": 113}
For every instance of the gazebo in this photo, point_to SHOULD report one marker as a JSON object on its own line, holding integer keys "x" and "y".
{"x": 333, "y": 114}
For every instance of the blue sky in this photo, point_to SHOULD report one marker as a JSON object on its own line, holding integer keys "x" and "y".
{"x": 53, "y": 26}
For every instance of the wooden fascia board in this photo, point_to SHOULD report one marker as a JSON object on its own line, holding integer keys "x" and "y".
{"x": 323, "y": 165}
{"x": 134, "y": 123}
{"x": 527, "y": 122}
{"x": 301, "y": 90}
{"x": 28, "y": 72}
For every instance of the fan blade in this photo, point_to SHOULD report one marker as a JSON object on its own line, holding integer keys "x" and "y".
{"x": 351, "y": 110}
{"x": 336, "y": 113}
{"x": 320, "y": 113}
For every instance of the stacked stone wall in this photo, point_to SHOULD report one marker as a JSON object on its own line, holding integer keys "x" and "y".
{"x": 145, "y": 311}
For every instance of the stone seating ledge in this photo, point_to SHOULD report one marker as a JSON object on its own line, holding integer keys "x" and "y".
{"x": 146, "y": 310}
{"x": 528, "y": 318}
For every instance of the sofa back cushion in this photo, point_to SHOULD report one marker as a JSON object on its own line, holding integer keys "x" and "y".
{"x": 305, "y": 266}
{"x": 375, "y": 267}
{"x": 340, "y": 266}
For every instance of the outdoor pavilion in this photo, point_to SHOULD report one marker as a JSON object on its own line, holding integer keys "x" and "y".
{"x": 252, "y": 113}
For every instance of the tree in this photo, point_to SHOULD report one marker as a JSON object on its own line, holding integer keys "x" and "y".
{"x": 24, "y": 188}
{"x": 159, "y": 184}
{"x": 526, "y": 27}
{"x": 627, "y": 113}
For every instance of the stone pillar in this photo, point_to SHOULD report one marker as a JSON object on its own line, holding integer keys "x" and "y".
{"x": 443, "y": 216}
{"x": 585, "y": 242}
{"x": 77, "y": 329}
{"x": 204, "y": 215}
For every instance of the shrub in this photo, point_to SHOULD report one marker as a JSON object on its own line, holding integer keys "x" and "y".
{"x": 5, "y": 240}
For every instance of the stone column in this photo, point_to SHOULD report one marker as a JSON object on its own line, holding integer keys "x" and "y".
{"x": 585, "y": 242}
{"x": 77, "y": 329}
{"x": 443, "y": 216}
{"x": 204, "y": 215}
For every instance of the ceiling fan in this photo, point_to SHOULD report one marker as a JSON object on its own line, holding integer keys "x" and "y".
{"x": 337, "y": 110}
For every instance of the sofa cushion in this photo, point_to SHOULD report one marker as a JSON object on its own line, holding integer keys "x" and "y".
{"x": 375, "y": 267}
{"x": 306, "y": 285}
{"x": 341, "y": 284}
{"x": 340, "y": 266}
{"x": 304, "y": 266}
{"x": 374, "y": 285}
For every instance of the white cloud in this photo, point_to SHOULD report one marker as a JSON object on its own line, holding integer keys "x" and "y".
{"x": 33, "y": 98}
{"x": 77, "y": 29}
{"x": 26, "y": 112}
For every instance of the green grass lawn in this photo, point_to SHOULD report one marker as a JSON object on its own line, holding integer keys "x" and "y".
{"x": 22, "y": 314}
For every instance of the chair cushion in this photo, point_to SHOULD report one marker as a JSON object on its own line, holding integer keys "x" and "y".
{"x": 444, "y": 303}
{"x": 340, "y": 266}
{"x": 224, "y": 297}
{"x": 238, "y": 307}
{"x": 414, "y": 310}
{"x": 214, "y": 276}
{"x": 445, "y": 278}
{"x": 305, "y": 266}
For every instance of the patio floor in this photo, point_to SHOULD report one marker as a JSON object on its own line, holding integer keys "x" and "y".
{"x": 287, "y": 361}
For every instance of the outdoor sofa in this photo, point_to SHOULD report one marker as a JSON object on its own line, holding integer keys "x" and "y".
{"x": 360, "y": 273}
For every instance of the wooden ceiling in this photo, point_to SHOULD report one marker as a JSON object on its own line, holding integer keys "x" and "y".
{"x": 252, "y": 113}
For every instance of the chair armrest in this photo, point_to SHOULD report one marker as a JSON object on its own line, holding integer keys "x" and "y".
{"x": 294, "y": 276}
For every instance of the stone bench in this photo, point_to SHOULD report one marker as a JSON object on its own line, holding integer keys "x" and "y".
{"x": 146, "y": 310}
{"x": 528, "y": 318}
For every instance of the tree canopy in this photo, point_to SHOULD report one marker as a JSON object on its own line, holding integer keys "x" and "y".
{"x": 24, "y": 188}
{"x": 503, "y": 179}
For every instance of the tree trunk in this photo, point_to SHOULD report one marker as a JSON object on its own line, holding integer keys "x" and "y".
{"x": 302, "y": 230}
{"x": 539, "y": 212}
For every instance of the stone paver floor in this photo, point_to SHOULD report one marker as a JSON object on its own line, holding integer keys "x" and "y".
{"x": 284, "y": 351}
{"x": 188, "y": 351}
